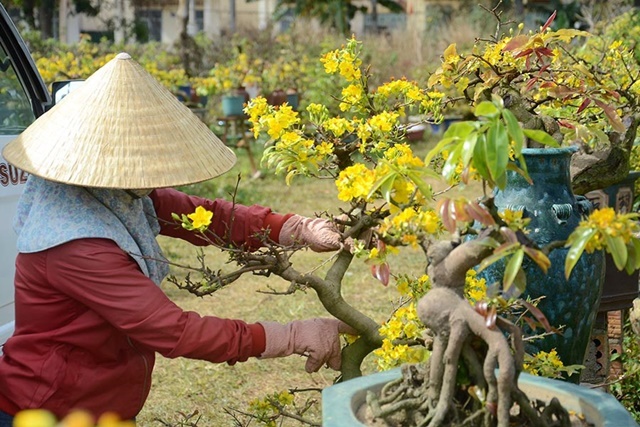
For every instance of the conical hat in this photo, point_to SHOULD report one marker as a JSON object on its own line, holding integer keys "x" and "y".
{"x": 120, "y": 129}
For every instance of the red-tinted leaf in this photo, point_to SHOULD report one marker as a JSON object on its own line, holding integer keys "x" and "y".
{"x": 532, "y": 323}
{"x": 547, "y": 84}
{"x": 490, "y": 318}
{"x": 517, "y": 42}
{"x": 543, "y": 51}
{"x": 443, "y": 209}
{"x": 540, "y": 317}
{"x": 460, "y": 211}
{"x": 381, "y": 272}
{"x": 549, "y": 21}
{"x": 509, "y": 235}
{"x": 530, "y": 83}
{"x": 584, "y": 104}
{"x": 566, "y": 124}
{"x": 612, "y": 116}
{"x": 539, "y": 258}
{"x": 613, "y": 94}
{"x": 525, "y": 52}
{"x": 478, "y": 213}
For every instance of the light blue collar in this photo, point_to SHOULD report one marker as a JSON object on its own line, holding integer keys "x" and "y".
{"x": 50, "y": 214}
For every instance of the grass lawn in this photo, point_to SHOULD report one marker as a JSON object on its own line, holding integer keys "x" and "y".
{"x": 182, "y": 385}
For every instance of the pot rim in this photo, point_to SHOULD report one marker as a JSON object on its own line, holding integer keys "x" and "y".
{"x": 341, "y": 401}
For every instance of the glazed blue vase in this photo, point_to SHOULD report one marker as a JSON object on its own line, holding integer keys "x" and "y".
{"x": 554, "y": 212}
{"x": 232, "y": 105}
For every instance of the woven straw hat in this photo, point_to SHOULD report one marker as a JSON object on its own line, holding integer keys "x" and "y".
{"x": 120, "y": 129}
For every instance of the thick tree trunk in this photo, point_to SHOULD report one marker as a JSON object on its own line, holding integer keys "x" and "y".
{"x": 45, "y": 17}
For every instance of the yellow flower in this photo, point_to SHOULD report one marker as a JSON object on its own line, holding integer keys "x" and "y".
{"x": 201, "y": 218}
{"x": 384, "y": 121}
{"x": 78, "y": 419}
{"x": 338, "y": 126}
{"x": 325, "y": 148}
{"x": 602, "y": 218}
{"x": 34, "y": 418}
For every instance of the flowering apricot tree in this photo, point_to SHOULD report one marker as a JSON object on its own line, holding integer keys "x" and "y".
{"x": 389, "y": 193}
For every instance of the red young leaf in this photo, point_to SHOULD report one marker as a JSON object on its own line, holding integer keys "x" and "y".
{"x": 584, "y": 104}
{"x": 549, "y": 21}
{"x": 478, "y": 213}
{"x": 612, "y": 116}
{"x": 517, "y": 42}
{"x": 525, "y": 52}
{"x": 540, "y": 317}
{"x": 566, "y": 124}
{"x": 445, "y": 215}
{"x": 381, "y": 272}
{"x": 530, "y": 83}
{"x": 544, "y": 51}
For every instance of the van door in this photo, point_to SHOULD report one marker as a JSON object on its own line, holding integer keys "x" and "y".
{"x": 23, "y": 97}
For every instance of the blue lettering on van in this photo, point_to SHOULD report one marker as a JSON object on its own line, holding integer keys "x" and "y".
{"x": 11, "y": 175}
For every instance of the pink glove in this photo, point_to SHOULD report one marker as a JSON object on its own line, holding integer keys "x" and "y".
{"x": 318, "y": 339}
{"x": 319, "y": 234}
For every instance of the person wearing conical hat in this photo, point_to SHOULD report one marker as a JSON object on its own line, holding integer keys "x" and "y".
{"x": 90, "y": 315}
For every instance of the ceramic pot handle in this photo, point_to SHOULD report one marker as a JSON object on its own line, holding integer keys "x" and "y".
{"x": 562, "y": 212}
{"x": 585, "y": 207}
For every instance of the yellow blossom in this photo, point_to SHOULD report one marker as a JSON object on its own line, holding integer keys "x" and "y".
{"x": 201, "y": 218}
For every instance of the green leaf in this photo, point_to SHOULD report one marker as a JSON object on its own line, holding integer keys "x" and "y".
{"x": 486, "y": 109}
{"x": 618, "y": 250}
{"x": 497, "y": 151}
{"x": 636, "y": 244}
{"x": 480, "y": 159}
{"x": 384, "y": 183}
{"x": 513, "y": 167}
{"x": 513, "y": 266}
{"x": 450, "y": 166}
{"x": 501, "y": 252}
{"x": 631, "y": 258}
{"x": 578, "y": 241}
{"x": 541, "y": 136}
{"x": 468, "y": 145}
{"x": 514, "y": 130}
{"x": 459, "y": 130}
{"x": 520, "y": 282}
{"x": 440, "y": 146}
{"x": 417, "y": 178}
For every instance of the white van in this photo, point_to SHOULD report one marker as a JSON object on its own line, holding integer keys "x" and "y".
{"x": 23, "y": 97}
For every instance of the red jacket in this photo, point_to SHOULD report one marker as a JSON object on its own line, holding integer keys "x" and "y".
{"x": 88, "y": 322}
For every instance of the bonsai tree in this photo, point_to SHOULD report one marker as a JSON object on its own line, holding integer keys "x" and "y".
{"x": 389, "y": 193}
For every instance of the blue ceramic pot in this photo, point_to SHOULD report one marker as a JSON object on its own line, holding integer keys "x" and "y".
{"x": 293, "y": 99}
{"x": 341, "y": 402}
{"x": 555, "y": 212}
{"x": 232, "y": 105}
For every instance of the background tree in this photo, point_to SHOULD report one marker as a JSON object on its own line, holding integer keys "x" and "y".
{"x": 333, "y": 13}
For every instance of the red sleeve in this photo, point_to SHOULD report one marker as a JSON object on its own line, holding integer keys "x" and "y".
{"x": 231, "y": 223}
{"x": 101, "y": 276}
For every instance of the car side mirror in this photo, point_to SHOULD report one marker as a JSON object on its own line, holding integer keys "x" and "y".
{"x": 63, "y": 88}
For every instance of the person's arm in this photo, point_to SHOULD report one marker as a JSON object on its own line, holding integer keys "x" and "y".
{"x": 97, "y": 273}
{"x": 232, "y": 223}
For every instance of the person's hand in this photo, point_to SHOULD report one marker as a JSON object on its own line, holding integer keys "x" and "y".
{"x": 318, "y": 339}
{"x": 319, "y": 234}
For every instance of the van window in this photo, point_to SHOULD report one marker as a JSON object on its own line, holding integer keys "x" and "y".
{"x": 15, "y": 108}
